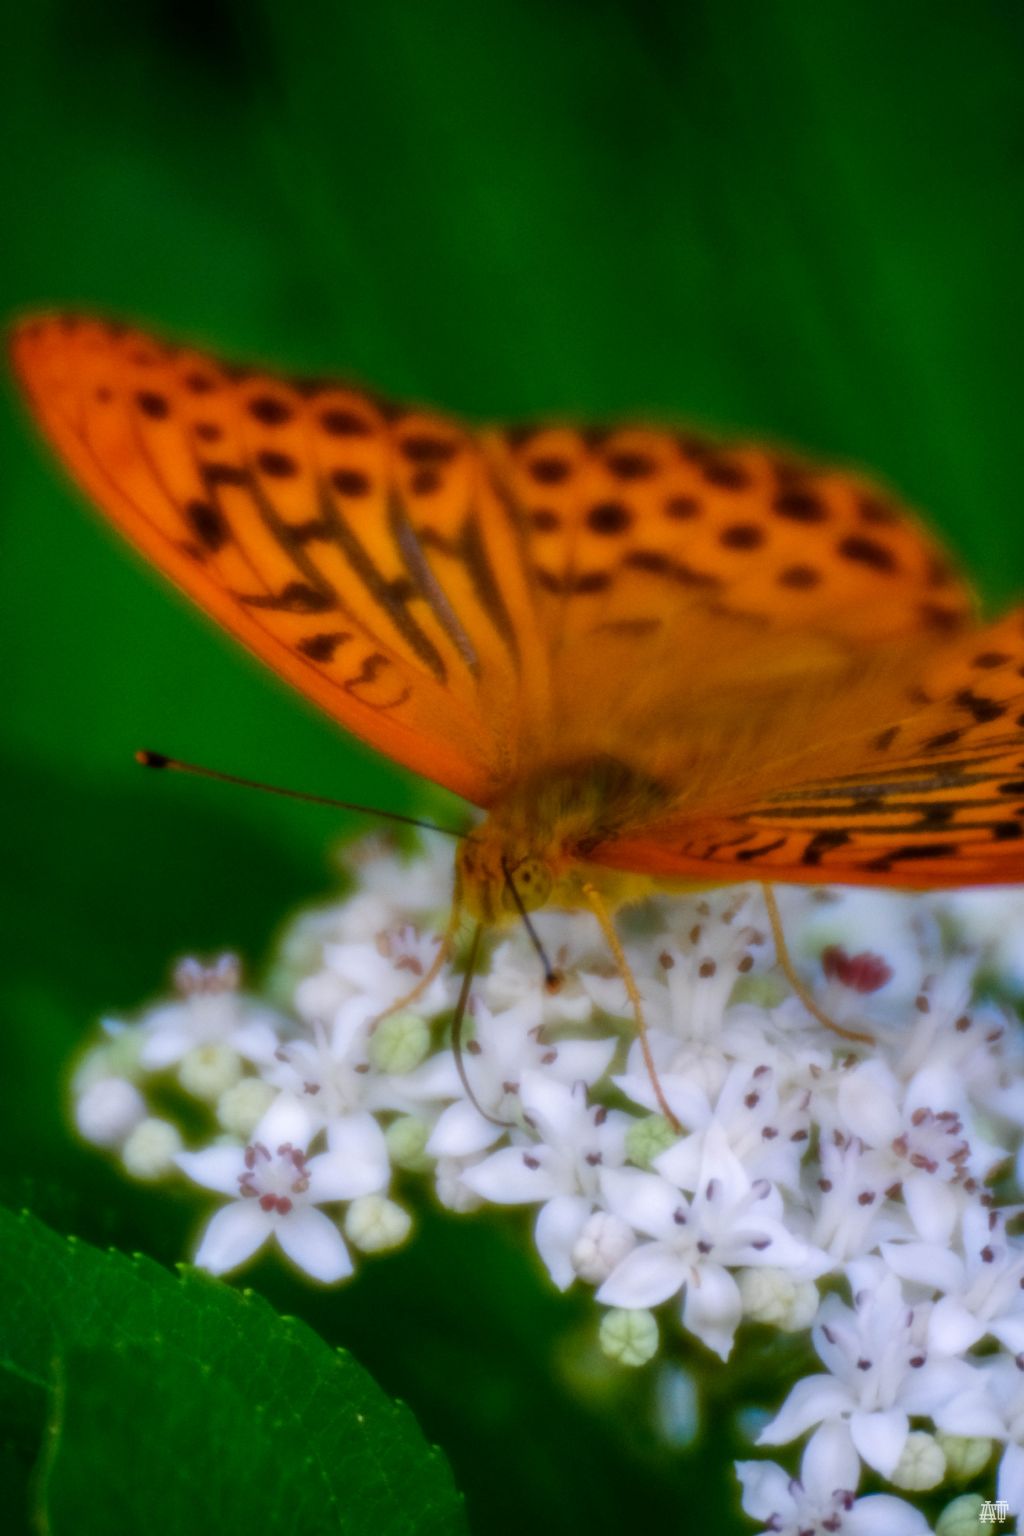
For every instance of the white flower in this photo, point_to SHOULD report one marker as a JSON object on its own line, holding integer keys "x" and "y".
{"x": 853, "y": 1213}
{"x": 918, "y": 1138}
{"x": 512, "y": 980}
{"x": 211, "y": 1012}
{"x": 981, "y": 1287}
{"x": 505, "y": 1047}
{"x": 992, "y": 921}
{"x": 731, "y": 1222}
{"x": 562, "y": 1167}
{"x": 888, "y": 924}
{"x": 277, "y": 1191}
{"x": 363, "y": 979}
{"x": 1005, "y": 1382}
{"x": 328, "y": 1078}
{"x": 768, "y": 1133}
{"x": 879, "y": 1375}
{"x": 822, "y": 1500}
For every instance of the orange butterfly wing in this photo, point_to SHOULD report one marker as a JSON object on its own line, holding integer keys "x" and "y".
{"x": 932, "y": 797}
{"x": 784, "y": 652}
{"x": 352, "y": 548}
{"x": 777, "y": 646}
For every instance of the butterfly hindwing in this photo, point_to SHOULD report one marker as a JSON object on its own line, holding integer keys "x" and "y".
{"x": 935, "y": 796}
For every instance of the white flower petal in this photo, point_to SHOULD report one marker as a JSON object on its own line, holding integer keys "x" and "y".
{"x": 866, "y": 1099}
{"x": 584, "y": 1061}
{"x": 232, "y": 1236}
{"x": 559, "y": 1224}
{"x": 356, "y": 1163}
{"x": 880, "y": 1514}
{"x": 512, "y": 1176}
{"x": 952, "y": 1329}
{"x": 218, "y": 1168}
{"x": 880, "y": 1437}
{"x": 164, "y": 1047}
{"x": 712, "y": 1308}
{"x": 462, "y": 1130}
{"x": 651, "y": 1273}
{"x": 925, "y": 1264}
{"x": 289, "y": 1119}
{"x": 313, "y": 1242}
{"x": 648, "y": 1203}
{"x": 933, "y": 1206}
{"x": 1010, "y": 1484}
{"x": 812, "y": 1401}
{"x": 830, "y": 1460}
{"x": 766, "y": 1488}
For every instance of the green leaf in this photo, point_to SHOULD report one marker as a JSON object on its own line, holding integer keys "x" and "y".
{"x": 179, "y": 1405}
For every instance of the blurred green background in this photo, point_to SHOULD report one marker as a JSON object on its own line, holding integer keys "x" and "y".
{"x": 792, "y": 218}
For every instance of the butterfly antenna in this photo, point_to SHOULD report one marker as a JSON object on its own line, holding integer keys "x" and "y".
{"x": 175, "y": 765}
{"x": 552, "y": 978}
{"x": 457, "y": 1021}
{"x": 789, "y": 970}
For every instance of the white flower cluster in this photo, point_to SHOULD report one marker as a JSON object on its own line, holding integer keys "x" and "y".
{"x": 813, "y": 1185}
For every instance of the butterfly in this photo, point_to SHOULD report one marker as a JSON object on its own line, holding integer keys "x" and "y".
{"x": 643, "y": 653}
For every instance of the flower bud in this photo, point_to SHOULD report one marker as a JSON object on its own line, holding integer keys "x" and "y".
{"x": 452, "y": 1190}
{"x": 965, "y": 1455}
{"x": 630, "y": 1337}
{"x": 151, "y": 1148}
{"x": 647, "y": 1138}
{"x": 109, "y": 1110}
{"x": 603, "y": 1243}
{"x": 962, "y": 1517}
{"x": 407, "y": 1139}
{"x": 374, "y": 1223}
{"x": 922, "y": 1464}
{"x": 241, "y": 1107}
{"x": 399, "y": 1043}
{"x": 207, "y": 1071}
{"x": 775, "y": 1296}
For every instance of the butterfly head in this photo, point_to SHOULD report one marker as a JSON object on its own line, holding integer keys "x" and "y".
{"x": 499, "y": 879}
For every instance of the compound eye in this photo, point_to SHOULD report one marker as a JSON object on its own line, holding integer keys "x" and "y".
{"x": 533, "y": 883}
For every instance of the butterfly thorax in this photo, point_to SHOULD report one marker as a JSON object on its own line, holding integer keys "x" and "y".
{"x": 539, "y": 837}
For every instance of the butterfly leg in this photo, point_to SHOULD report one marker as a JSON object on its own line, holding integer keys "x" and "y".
{"x": 444, "y": 954}
{"x": 790, "y": 972}
{"x": 600, "y": 911}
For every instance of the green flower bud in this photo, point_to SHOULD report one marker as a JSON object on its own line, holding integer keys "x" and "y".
{"x": 773, "y": 1296}
{"x": 241, "y": 1107}
{"x": 374, "y": 1223}
{"x": 630, "y": 1337}
{"x": 646, "y": 1139}
{"x": 961, "y": 1517}
{"x": 399, "y": 1043}
{"x": 762, "y": 991}
{"x": 407, "y": 1139}
{"x": 922, "y": 1464}
{"x": 965, "y": 1455}
{"x": 150, "y": 1150}
{"x": 207, "y": 1071}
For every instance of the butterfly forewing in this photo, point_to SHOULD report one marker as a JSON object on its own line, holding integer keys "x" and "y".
{"x": 280, "y": 510}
